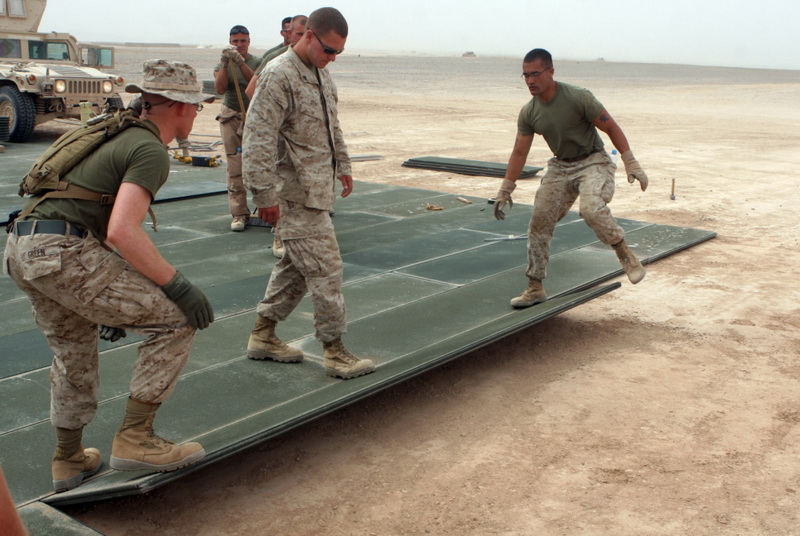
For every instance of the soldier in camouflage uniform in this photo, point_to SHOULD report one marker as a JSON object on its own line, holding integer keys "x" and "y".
{"x": 61, "y": 256}
{"x": 568, "y": 118}
{"x": 294, "y": 152}
{"x": 295, "y": 32}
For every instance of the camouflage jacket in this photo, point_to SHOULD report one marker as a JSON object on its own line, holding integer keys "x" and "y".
{"x": 293, "y": 147}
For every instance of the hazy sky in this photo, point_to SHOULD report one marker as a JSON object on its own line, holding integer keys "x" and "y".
{"x": 731, "y": 33}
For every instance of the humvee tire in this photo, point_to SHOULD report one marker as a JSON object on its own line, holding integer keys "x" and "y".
{"x": 18, "y": 107}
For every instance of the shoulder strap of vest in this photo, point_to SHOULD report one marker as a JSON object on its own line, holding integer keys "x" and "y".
{"x": 73, "y": 191}
{"x": 66, "y": 190}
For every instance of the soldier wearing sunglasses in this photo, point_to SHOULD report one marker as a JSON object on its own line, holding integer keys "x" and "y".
{"x": 294, "y": 155}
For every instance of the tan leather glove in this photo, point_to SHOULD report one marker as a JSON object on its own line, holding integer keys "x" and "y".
{"x": 634, "y": 170}
{"x": 233, "y": 55}
{"x": 503, "y": 197}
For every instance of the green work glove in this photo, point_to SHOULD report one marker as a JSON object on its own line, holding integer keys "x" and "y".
{"x": 108, "y": 333}
{"x": 503, "y": 197}
{"x": 191, "y": 300}
{"x": 634, "y": 170}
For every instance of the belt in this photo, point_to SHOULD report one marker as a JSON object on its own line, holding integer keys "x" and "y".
{"x": 579, "y": 158}
{"x": 24, "y": 228}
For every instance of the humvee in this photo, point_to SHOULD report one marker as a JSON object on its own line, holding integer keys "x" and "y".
{"x": 45, "y": 76}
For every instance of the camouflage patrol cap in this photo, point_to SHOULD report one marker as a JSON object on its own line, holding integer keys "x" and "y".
{"x": 174, "y": 80}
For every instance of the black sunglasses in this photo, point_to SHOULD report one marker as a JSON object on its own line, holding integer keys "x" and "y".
{"x": 325, "y": 48}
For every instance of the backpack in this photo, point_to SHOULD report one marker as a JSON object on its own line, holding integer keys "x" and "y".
{"x": 45, "y": 176}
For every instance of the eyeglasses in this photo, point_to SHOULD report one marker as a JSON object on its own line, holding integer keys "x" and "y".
{"x": 534, "y": 74}
{"x": 325, "y": 48}
{"x": 239, "y": 29}
{"x": 147, "y": 104}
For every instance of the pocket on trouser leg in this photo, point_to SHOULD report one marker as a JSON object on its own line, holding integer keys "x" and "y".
{"x": 234, "y": 163}
{"x": 315, "y": 256}
{"x": 601, "y": 182}
{"x": 101, "y": 266}
{"x": 38, "y": 262}
{"x": 608, "y": 190}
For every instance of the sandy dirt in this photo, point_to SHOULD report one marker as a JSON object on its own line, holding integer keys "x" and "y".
{"x": 671, "y": 407}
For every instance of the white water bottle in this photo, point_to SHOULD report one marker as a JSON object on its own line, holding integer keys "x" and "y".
{"x": 614, "y": 156}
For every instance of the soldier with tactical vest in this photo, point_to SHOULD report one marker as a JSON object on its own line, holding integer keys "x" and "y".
{"x": 83, "y": 264}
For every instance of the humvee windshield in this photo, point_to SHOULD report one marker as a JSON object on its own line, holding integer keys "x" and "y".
{"x": 48, "y": 50}
{"x": 9, "y": 48}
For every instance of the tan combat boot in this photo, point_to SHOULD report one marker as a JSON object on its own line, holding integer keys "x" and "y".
{"x": 72, "y": 464}
{"x": 633, "y": 268}
{"x": 264, "y": 344}
{"x": 136, "y": 446}
{"x": 239, "y": 223}
{"x": 530, "y": 296}
{"x": 277, "y": 247}
{"x": 340, "y": 363}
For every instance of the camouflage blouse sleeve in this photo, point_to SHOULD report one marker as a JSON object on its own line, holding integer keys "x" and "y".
{"x": 260, "y": 141}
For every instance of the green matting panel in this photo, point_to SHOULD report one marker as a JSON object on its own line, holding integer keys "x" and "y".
{"x": 467, "y": 167}
{"x": 422, "y": 287}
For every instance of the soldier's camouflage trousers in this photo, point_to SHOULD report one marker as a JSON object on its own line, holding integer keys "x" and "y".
{"x": 310, "y": 263}
{"x": 74, "y": 284}
{"x": 230, "y": 128}
{"x": 593, "y": 180}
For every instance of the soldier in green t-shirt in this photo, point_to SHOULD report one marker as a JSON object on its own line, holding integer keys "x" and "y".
{"x": 286, "y": 29}
{"x": 286, "y": 25}
{"x": 231, "y": 76}
{"x": 84, "y": 264}
{"x": 295, "y": 33}
{"x": 567, "y": 117}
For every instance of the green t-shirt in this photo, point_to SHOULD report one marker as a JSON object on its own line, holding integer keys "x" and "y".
{"x": 271, "y": 51}
{"x": 565, "y": 122}
{"x": 134, "y": 155}
{"x": 269, "y": 56}
{"x": 231, "y": 100}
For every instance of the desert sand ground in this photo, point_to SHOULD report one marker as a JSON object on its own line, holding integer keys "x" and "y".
{"x": 671, "y": 407}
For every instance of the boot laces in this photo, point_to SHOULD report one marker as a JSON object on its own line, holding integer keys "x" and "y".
{"x": 343, "y": 353}
{"x": 273, "y": 339}
{"x": 157, "y": 440}
{"x": 529, "y": 292}
{"x": 268, "y": 329}
{"x": 533, "y": 289}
